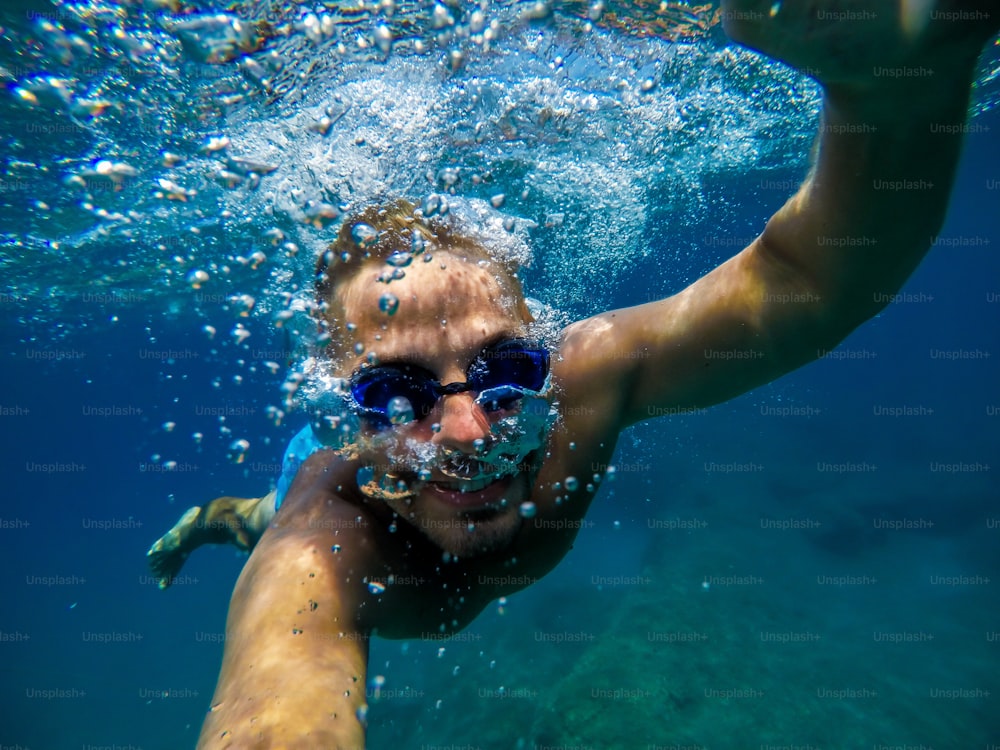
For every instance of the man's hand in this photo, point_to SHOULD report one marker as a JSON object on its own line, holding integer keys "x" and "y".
{"x": 865, "y": 43}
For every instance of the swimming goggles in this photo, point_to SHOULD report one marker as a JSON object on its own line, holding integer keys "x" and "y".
{"x": 501, "y": 375}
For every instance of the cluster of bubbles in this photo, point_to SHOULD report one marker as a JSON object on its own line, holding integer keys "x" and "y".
{"x": 206, "y": 146}
{"x": 207, "y": 154}
{"x": 513, "y": 439}
{"x": 172, "y": 143}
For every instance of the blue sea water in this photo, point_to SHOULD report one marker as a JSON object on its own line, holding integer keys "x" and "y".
{"x": 813, "y": 564}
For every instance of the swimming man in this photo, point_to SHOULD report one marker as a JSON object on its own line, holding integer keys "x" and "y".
{"x": 454, "y": 460}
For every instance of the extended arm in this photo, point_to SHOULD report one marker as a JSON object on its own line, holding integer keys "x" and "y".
{"x": 836, "y": 252}
{"x": 293, "y": 671}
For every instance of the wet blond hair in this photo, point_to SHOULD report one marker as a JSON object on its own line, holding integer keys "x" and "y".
{"x": 400, "y": 227}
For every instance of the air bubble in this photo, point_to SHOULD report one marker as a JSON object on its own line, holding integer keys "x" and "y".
{"x": 419, "y": 244}
{"x": 240, "y": 333}
{"x": 215, "y": 143}
{"x": 322, "y": 125}
{"x": 441, "y": 17}
{"x": 242, "y": 304}
{"x": 383, "y": 38}
{"x": 364, "y": 235}
{"x": 388, "y": 303}
{"x": 528, "y": 510}
{"x": 238, "y": 451}
{"x": 572, "y": 484}
{"x": 449, "y": 176}
{"x": 197, "y": 278}
{"x": 432, "y": 204}
{"x": 399, "y": 259}
{"x": 399, "y": 410}
{"x": 376, "y": 587}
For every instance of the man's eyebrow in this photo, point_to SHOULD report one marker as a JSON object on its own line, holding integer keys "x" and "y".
{"x": 404, "y": 360}
{"x": 414, "y": 359}
{"x": 499, "y": 339}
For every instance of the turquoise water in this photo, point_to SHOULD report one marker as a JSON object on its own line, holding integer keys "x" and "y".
{"x": 812, "y": 564}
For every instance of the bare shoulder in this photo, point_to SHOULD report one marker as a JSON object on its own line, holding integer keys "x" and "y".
{"x": 595, "y": 375}
{"x": 592, "y": 376}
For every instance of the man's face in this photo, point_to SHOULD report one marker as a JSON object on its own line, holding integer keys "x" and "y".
{"x": 448, "y": 311}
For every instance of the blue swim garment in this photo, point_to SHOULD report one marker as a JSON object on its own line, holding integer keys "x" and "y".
{"x": 303, "y": 445}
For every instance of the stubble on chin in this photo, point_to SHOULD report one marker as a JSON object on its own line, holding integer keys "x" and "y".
{"x": 463, "y": 534}
{"x": 485, "y": 537}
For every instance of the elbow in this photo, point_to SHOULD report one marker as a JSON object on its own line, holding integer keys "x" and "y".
{"x": 831, "y": 324}
{"x": 811, "y": 311}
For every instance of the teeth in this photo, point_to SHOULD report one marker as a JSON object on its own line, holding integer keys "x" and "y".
{"x": 471, "y": 485}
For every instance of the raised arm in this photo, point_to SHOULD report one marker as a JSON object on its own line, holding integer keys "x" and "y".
{"x": 896, "y": 95}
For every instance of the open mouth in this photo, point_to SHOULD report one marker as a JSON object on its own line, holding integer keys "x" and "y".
{"x": 470, "y": 474}
{"x": 471, "y": 485}
{"x": 480, "y": 492}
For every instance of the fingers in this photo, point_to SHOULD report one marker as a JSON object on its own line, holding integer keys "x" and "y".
{"x": 914, "y": 16}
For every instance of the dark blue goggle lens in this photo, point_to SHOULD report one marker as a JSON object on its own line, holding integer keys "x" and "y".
{"x": 373, "y": 389}
{"x": 511, "y": 363}
{"x": 505, "y": 371}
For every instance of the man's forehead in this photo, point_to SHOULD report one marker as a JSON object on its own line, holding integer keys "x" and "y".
{"x": 460, "y": 305}
{"x": 446, "y": 283}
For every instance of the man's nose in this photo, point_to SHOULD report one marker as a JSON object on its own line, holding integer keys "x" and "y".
{"x": 463, "y": 422}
